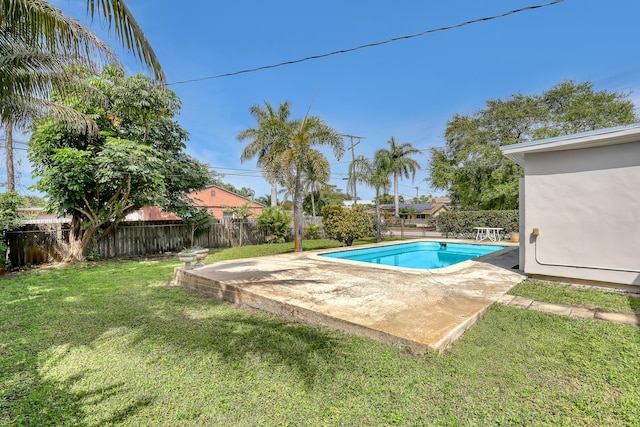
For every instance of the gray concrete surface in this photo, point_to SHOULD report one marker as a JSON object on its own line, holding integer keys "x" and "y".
{"x": 424, "y": 310}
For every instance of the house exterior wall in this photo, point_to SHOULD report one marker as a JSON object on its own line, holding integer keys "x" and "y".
{"x": 586, "y": 205}
{"x": 216, "y": 200}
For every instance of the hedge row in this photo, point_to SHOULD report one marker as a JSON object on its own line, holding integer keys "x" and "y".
{"x": 461, "y": 223}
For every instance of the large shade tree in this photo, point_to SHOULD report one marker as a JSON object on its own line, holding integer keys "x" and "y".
{"x": 400, "y": 164}
{"x": 471, "y": 167}
{"x": 264, "y": 145}
{"x": 136, "y": 160}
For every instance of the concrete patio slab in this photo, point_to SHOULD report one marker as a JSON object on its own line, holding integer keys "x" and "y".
{"x": 424, "y": 310}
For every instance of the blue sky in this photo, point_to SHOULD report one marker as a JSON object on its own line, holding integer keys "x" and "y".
{"x": 408, "y": 89}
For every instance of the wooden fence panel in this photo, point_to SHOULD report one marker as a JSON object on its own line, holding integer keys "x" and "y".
{"x": 38, "y": 243}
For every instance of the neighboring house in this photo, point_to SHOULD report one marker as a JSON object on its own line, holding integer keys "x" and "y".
{"x": 38, "y": 215}
{"x": 418, "y": 211}
{"x": 580, "y": 205}
{"x": 349, "y": 203}
{"x": 216, "y": 199}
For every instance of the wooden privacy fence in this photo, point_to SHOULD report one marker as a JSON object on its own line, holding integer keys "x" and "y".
{"x": 38, "y": 243}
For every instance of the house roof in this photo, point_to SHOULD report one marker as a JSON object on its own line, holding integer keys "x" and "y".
{"x": 420, "y": 207}
{"x": 596, "y": 138}
{"x": 230, "y": 192}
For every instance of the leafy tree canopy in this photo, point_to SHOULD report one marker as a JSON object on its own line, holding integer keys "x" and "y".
{"x": 136, "y": 160}
{"x": 471, "y": 167}
{"x": 10, "y": 218}
{"x": 328, "y": 195}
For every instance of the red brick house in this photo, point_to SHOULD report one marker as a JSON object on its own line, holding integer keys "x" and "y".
{"x": 215, "y": 199}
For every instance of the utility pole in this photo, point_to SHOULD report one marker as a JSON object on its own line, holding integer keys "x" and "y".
{"x": 353, "y": 157}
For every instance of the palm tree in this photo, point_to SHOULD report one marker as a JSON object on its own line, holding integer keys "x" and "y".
{"x": 400, "y": 164}
{"x": 27, "y": 73}
{"x": 38, "y": 42}
{"x": 265, "y": 146}
{"x": 374, "y": 173}
{"x": 39, "y": 23}
{"x": 317, "y": 172}
{"x": 298, "y": 153}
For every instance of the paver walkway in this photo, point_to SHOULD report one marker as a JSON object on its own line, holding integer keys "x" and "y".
{"x": 574, "y": 311}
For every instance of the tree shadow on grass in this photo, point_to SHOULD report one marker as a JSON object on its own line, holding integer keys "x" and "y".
{"x": 37, "y": 401}
{"x": 179, "y": 323}
{"x": 233, "y": 334}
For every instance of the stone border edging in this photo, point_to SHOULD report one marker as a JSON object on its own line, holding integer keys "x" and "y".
{"x": 573, "y": 311}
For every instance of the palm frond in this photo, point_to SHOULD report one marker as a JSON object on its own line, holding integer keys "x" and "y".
{"x": 117, "y": 15}
{"x": 43, "y": 26}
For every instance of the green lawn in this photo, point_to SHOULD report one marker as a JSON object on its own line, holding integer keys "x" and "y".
{"x": 109, "y": 343}
{"x": 563, "y": 293}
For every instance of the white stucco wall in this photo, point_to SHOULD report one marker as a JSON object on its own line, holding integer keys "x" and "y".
{"x": 586, "y": 204}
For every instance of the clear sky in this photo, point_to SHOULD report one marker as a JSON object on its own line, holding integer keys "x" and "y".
{"x": 407, "y": 89}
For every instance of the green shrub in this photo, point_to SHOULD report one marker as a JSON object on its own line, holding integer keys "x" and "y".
{"x": 313, "y": 231}
{"x": 277, "y": 224}
{"x": 461, "y": 223}
{"x": 346, "y": 224}
{"x": 93, "y": 255}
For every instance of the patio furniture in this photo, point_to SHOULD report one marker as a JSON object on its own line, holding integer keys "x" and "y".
{"x": 487, "y": 233}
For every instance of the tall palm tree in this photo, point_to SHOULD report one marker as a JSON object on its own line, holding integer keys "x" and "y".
{"x": 300, "y": 137}
{"x": 400, "y": 164}
{"x": 374, "y": 173}
{"x": 265, "y": 145}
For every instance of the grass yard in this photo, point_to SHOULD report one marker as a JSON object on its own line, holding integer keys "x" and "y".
{"x": 110, "y": 343}
{"x": 564, "y": 293}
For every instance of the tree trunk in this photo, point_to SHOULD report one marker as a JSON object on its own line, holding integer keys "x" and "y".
{"x": 378, "y": 234}
{"x": 79, "y": 239}
{"x": 8, "y": 144}
{"x": 313, "y": 203}
{"x": 297, "y": 214}
{"x": 396, "y": 196}
{"x": 274, "y": 194}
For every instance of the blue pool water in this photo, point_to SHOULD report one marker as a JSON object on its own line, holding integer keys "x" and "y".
{"x": 417, "y": 255}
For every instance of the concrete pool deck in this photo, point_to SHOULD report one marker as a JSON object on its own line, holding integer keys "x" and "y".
{"x": 425, "y": 310}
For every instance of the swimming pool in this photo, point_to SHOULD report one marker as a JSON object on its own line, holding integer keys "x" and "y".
{"x": 427, "y": 255}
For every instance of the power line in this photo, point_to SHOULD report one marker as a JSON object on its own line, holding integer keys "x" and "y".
{"x": 364, "y": 46}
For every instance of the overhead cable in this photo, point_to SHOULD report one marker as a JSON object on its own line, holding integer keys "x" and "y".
{"x": 364, "y": 46}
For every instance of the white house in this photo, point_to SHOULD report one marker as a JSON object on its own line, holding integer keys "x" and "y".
{"x": 580, "y": 205}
